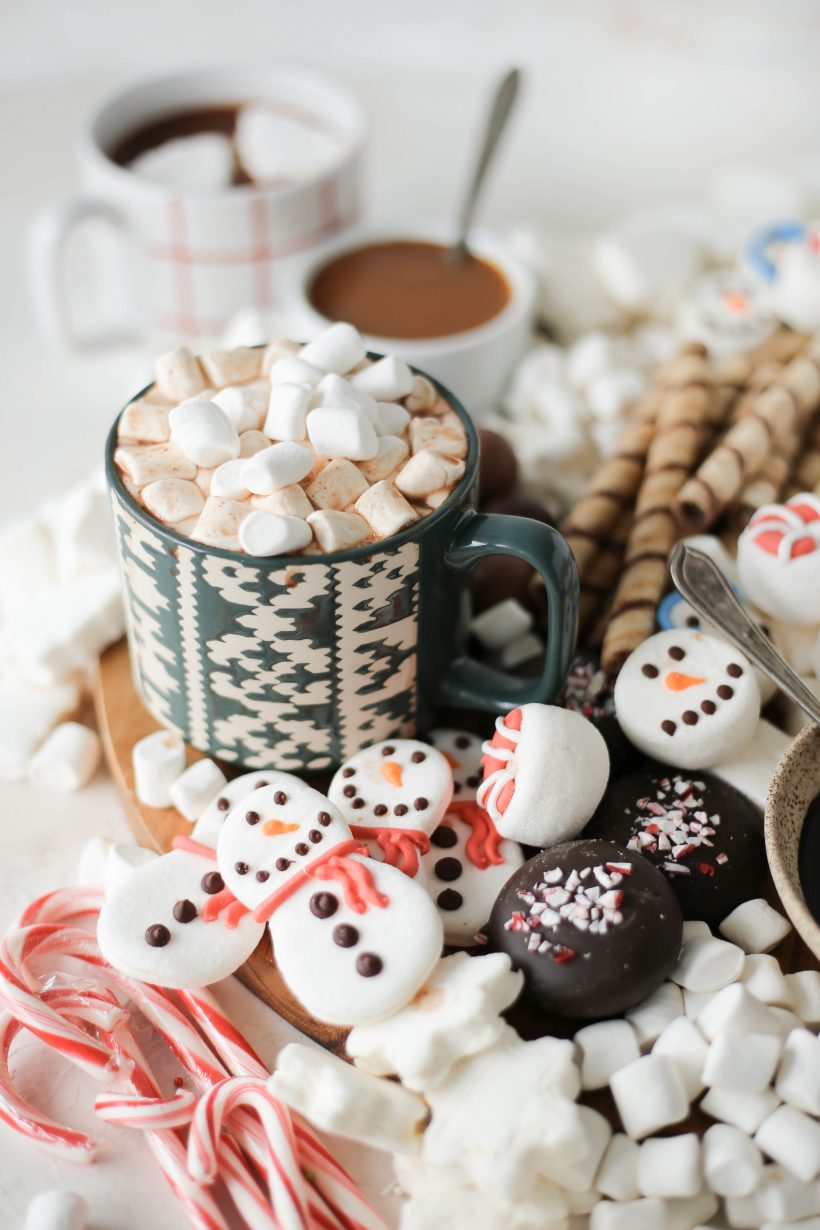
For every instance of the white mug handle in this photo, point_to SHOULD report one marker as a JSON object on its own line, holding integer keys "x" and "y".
{"x": 49, "y": 238}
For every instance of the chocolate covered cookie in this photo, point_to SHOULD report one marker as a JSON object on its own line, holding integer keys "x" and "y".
{"x": 592, "y": 925}
{"x": 704, "y": 835}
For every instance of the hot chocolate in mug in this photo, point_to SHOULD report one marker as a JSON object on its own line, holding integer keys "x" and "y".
{"x": 296, "y": 663}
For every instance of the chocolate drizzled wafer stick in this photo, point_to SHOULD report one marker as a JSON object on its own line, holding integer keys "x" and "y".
{"x": 769, "y": 483}
{"x": 685, "y": 423}
{"x": 806, "y": 474}
{"x": 776, "y": 415}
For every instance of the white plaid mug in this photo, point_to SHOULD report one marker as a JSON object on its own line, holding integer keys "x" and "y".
{"x": 186, "y": 261}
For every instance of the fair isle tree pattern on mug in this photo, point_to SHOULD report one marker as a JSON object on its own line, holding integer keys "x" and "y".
{"x": 317, "y": 660}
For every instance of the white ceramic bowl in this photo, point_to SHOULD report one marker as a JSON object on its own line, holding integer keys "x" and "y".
{"x": 474, "y": 364}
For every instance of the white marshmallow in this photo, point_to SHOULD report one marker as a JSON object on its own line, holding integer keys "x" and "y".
{"x": 157, "y": 760}
{"x": 694, "y": 928}
{"x": 750, "y": 770}
{"x": 147, "y": 463}
{"x": 695, "y": 1001}
{"x": 649, "y": 1094}
{"x": 427, "y": 472}
{"x": 786, "y": 1019}
{"x": 500, "y": 624}
{"x": 144, "y": 421}
{"x": 795, "y": 292}
{"x": 385, "y": 509}
{"x": 763, "y": 978}
{"x": 422, "y": 398}
{"x": 792, "y": 1139}
{"x": 194, "y": 789}
{"x": 684, "y": 1044}
{"x": 342, "y": 432}
{"x": 743, "y": 1110}
{"x": 646, "y": 1214}
{"x": 339, "y": 349}
{"x": 27, "y": 559}
{"x": 204, "y": 433}
{"x": 338, "y": 531}
{"x": 172, "y": 500}
{"x": 735, "y": 1011}
{"x": 670, "y": 1166}
{"x": 287, "y": 411}
{"x": 755, "y": 926}
{"x": 219, "y": 522}
{"x": 743, "y": 1212}
{"x": 278, "y": 466}
{"x": 228, "y": 480}
{"x": 337, "y": 485}
{"x": 67, "y": 760}
{"x": 244, "y": 405}
{"x": 178, "y": 374}
{"x": 687, "y": 1213}
{"x": 732, "y": 1163}
{"x": 798, "y": 1077}
{"x": 237, "y": 365}
{"x": 804, "y": 988}
{"x": 27, "y": 714}
{"x": 652, "y": 1015}
{"x": 291, "y": 369}
{"x": 611, "y": 393}
{"x": 521, "y": 649}
{"x": 591, "y": 355}
{"x": 783, "y": 1198}
{"x": 391, "y": 453}
{"x": 56, "y": 1210}
{"x": 617, "y": 1175}
{"x": 252, "y": 442}
{"x": 333, "y": 390}
{"x": 707, "y": 964}
{"x": 578, "y": 1175}
{"x": 287, "y": 502}
{"x": 265, "y": 533}
{"x": 202, "y": 162}
{"x": 391, "y": 419}
{"x": 388, "y": 379}
{"x": 605, "y": 1047}
{"x": 274, "y": 145}
{"x": 439, "y": 436}
{"x": 744, "y": 1062}
{"x": 646, "y": 263}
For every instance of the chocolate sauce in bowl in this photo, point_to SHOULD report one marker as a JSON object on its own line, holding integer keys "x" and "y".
{"x": 808, "y": 859}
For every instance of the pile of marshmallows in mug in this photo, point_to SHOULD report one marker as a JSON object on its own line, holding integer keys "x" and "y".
{"x": 285, "y": 449}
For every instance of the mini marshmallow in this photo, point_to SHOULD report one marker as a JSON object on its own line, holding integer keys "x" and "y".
{"x": 735, "y": 1011}
{"x": 172, "y": 500}
{"x": 422, "y": 397}
{"x": 287, "y": 411}
{"x": 798, "y": 1077}
{"x": 57, "y": 1209}
{"x": 265, "y": 533}
{"x": 339, "y": 349}
{"x": 744, "y": 1062}
{"x": 388, "y": 379}
{"x": 651, "y": 1017}
{"x": 204, "y": 433}
{"x": 732, "y": 1163}
{"x": 793, "y": 1139}
{"x": 427, "y": 472}
{"x": 649, "y": 1094}
{"x": 617, "y": 1175}
{"x": 338, "y": 531}
{"x": 695, "y": 1001}
{"x": 694, "y": 928}
{"x": 201, "y": 162}
{"x": 438, "y": 436}
{"x": 578, "y": 1175}
{"x": 685, "y": 1045}
{"x": 244, "y": 406}
{"x": 605, "y": 1047}
{"x": 500, "y": 624}
{"x": 157, "y": 761}
{"x": 278, "y": 466}
{"x": 385, "y": 509}
{"x": 336, "y": 1097}
{"x": 670, "y": 1166}
{"x": 795, "y": 292}
{"x": 252, "y": 442}
{"x": 144, "y": 421}
{"x": 148, "y": 463}
{"x": 646, "y": 262}
{"x": 786, "y": 1019}
{"x": 591, "y": 355}
{"x": 521, "y": 649}
{"x": 67, "y": 760}
{"x": 46, "y": 641}
{"x": 707, "y": 964}
{"x": 646, "y": 1214}
{"x": 228, "y": 480}
{"x": 742, "y": 1110}
{"x": 178, "y": 374}
{"x": 804, "y": 988}
{"x": 687, "y": 1213}
{"x": 342, "y": 432}
{"x": 755, "y": 926}
{"x": 194, "y": 789}
{"x": 235, "y": 366}
{"x": 391, "y": 453}
{"x": 27, "y": 715}
{"x": 611, "y": 393}
{"x": 337, "y": 485}
{"x": 391, "y": 419}
{"x": 333, "y": 390}
{"x": 762, "y": 977}
{"x": 744, "y": 1212}
{"x": 783, "y": 1198}
{"x": 219, "y": 522}
{"x": 287, "y": 502}
{"x": 274, "y": 145}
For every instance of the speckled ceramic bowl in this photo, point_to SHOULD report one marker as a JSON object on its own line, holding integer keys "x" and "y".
{"x": 795, "y": 783}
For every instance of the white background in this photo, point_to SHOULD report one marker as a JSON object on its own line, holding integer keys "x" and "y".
{"x": 627, "y": 102}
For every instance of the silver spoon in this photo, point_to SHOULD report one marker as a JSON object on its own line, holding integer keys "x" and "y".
{"x": 706, "y": 589}
{"x": 500, "y": 111}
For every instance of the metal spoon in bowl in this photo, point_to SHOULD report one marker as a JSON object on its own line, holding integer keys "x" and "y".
{"x": 706, "y": 589}
{"x": 505, "y": 96}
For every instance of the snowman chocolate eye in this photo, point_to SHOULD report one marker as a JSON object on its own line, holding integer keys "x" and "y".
{"x": 734, "y": 670}
{"x": 388, "y": 751}
{"x": 650, "y": 671}
{"x": 280, "y": 798}
{"x": 676, "y": 653}
{"x": 418, "y": 757}
{"x": 693, "y": 622}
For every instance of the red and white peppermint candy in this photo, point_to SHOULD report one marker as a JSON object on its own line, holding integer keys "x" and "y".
{"x": 778, "y": 556}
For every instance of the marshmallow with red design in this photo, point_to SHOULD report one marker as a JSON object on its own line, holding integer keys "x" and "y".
{"x": 778, "y": 558}
{"x": 545, "y": 771}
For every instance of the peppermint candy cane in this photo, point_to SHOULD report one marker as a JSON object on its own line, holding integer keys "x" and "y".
{"x": 135, "y": 1111}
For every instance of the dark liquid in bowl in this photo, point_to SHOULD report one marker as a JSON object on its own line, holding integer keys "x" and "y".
{"x": 809, "y": 858}
{"x": 409, "y": 289}
{"x": 188, "y": 123}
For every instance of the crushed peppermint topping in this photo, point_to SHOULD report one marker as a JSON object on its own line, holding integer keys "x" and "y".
{"x": 588, "y": 690}
{"x": 675, "y": 824}
{"x": 589, "y": 898}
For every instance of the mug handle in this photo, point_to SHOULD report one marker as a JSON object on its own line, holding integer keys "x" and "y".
{"x": 49, "y": 238}
{"x": 472, "y": 685}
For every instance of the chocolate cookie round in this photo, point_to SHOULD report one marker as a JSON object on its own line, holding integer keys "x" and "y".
{"x": 593, "y": 927}
{"x": 589, "y": 691}
{"x": 705, "y": 836}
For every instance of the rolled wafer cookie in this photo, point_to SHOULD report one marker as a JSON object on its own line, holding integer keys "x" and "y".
{"x": 597, "y": 587}
{"x": 768, "y": 484}
{"x": 806, "y": 474}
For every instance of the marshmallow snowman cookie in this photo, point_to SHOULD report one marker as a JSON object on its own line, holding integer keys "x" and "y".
{"x": 778, "y": 557}
{"x": 688, "y": 698}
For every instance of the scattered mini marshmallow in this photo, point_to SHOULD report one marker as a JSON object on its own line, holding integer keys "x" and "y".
{"x": 744, "y": 1062}
{"x": 291, "y": 369}
{"x": 204, "y": 433}
{"x": 695, "y": 928}
{"x": 524, "y": 648}
{"x": 338, "y": 531}
{"x": 427, "y": 472}
{"x": 743, "y": 1212}
{"x": 244, "y": 405}
{"x": 755, "y": 926}
{"x": 178, "y": 374}
{"x": 648, "y": 1213}
{"x": 279, "y": 465}
{"x": 391, "y": 419}
{"x": 670, "y": 1166}
{"x": 605, "y": 1047}
{"x": 786, "y": 1019}
{"x": 338, "y": 349}
{"x": 385, "y": 509}
{"x": 276, "y": 146}
{"x": 593, "y": 354}
{"x": 804, "y": 988}
{"x": 610, "y": 394}
{"x": 735, "y": 1011}
{"x": 732, "y": 1163}
{"x": 238, "y": 365}
{"x": 763, "y": 977}
{"x": 287, "y": 502}
{"x": 695, "y": 1001}
{"x": 147, "y": 463}
{"x": 157, "y": 760}
{"x": 784, "y": 1198}
{"x": 651, "y": 1017}
{"x": 687, "y": 1213}
{"x": 792, "y": 1138}
{"x": 265, "y": 533}
{"x": 500, "y": 624}
{"x": 202, "y": 162}
{"x": 27, "y": 715}
{"x": 686, "y": 1046}
{"x": 219, "y": 522}
{"x": 337, "y": 485}
{"x": 798, "y": 1077}
{"x": 439, "y": 436}
{"x": 795, "y": 292}
{"x": 172, "y": 500}
{"x": 228, "y": 480}
{"x": 57, "y": 1209}
{"x": 617, "y": 1175}
{"x": 81, "y": 528}
{"x": 252, "y": 442}
{"x": 342, "y": 431}
{"x": 194, "y": 789}
{"x": 647, "y": 262}
{"x": 67, "y": 760}
{"x": 649, "y": 1094}
{"x": 333, "y": 390}
{"x": 388, "y": 379}
{"x": 577, "y": 1175}
{"x": 707, "y": 964}
{"x": 742, "y": 1110}
{"x": 287, "y": 411}
{"x": 336, "y": 1097}
{"x": 391, "y": 453}
{"x": 27, "y": 559}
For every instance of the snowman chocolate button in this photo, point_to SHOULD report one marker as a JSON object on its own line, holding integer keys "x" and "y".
{"x": 688, "y": 698}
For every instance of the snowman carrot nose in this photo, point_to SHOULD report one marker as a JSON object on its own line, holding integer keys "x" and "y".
{"x": 676, "y": 682}
{"x": 275, "y": 828}
{"x": 451, "y": 760}
{"x": 391, "y": 772}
